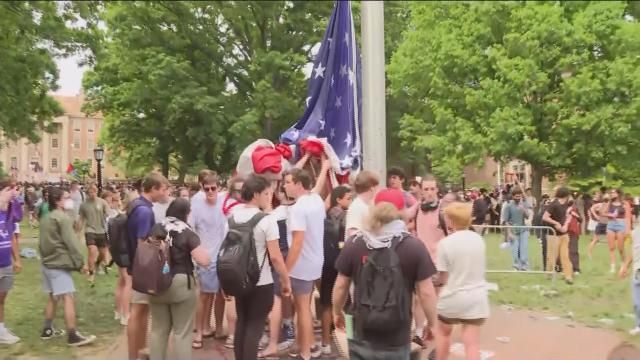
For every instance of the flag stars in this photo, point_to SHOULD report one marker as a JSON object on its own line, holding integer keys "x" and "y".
{"x": 319, "y": 70}
{"x": 346, "y": 38}
{"x": 347, "y": 140}
{"x": 332, "y": 133}
{"x": 338, "y": 102}
{"x": 343, "y": 70}
{"x": 332, "y": 80}
{"x": 352, "y": 77}
{"x": 322, "y": 122}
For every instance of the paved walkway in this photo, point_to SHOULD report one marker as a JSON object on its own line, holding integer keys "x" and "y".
{"x": 508, "y": 335}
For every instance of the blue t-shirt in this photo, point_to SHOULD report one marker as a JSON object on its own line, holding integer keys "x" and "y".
{"x": 8, "y": 220}
{"x": 139, "y": 223}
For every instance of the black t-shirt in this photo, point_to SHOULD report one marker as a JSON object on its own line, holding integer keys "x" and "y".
{"x": 558, "y": 212}
{"x": 480, "y": 210}
{"x": 183, "y": 244}
{"x": 416, "y": 266}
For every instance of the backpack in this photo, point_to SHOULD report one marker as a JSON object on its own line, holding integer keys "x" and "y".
{"x": 118, "y": 236}
{"x": 334, "y": 230}
{"x": 151, "y": 266}
{"x": 382, "y": 300}
{"x": 237, "y": 266}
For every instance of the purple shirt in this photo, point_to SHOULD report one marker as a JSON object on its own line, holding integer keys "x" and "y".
{"x": 139, "y": 223}
{"x": 8, "y": 220}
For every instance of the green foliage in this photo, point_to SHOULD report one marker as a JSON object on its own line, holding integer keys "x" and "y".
{"x": 33, "y": 34}
{"x": 194, "y": 82}
{"x": 82, "y": 169}
{"x": 553, "y": 84}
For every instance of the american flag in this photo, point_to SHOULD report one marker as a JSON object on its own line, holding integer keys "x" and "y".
{"x": 333, "y": 103}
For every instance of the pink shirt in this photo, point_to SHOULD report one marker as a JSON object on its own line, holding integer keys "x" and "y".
{"x": 428, "y": 230}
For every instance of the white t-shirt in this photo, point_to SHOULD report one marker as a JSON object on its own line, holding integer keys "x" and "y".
{"x": 358, "y": 211}
{"x": 160, "y": 210}
{"x": 308, "y": 215}
{"x": 265, "y": 230}
{"x": 462, "y": 256}
{"x": 210, "y": 224}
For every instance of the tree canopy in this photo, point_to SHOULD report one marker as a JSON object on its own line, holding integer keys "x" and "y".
{"x": 197, "y": 81}
{"x": 554, "y": 84}
{"x": 34, "y": 33}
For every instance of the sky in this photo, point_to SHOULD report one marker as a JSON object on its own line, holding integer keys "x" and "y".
{"x": 70, "y": 79}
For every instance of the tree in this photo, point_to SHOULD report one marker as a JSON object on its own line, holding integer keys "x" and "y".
{"x": 82, "y": 169}
{"x": 553, "y": 84}
{"x": 198, "y": 81}
{"x": 33, "y": 34}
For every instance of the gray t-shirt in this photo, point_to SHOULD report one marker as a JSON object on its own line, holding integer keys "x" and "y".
{"x": 210, "y": 223}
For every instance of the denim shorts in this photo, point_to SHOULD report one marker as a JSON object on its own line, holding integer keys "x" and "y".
{"x": 301, "y": 287}
{"x": 208, "y": 280}
{"x": 616, "y": 226}
{"x": 57, "y": 282}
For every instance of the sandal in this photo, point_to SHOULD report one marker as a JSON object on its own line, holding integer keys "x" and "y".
{"x": 271, "y": 356}
{"x": 196, "y": 344}
{"x": 209, "y": 335}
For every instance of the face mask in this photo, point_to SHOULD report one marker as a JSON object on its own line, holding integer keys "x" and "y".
{"x": 68, "y": 204}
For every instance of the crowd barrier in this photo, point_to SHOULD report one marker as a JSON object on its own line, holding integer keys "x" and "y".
{"x": 537, "y": 234}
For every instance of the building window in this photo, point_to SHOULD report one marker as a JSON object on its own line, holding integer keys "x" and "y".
{"x": 90, "y": 144}
{"x": 14, "y": 162}
{"x": 76, "y": 125}
{"x": 76, "y": 140}
{"x": 54, "y": 164}
{"x": 90, "y": 126}
{"x": 54, "y": 143}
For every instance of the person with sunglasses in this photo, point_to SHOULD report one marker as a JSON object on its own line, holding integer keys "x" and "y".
{"x": 10, "y": 264}
{"x": 210, "y": 223}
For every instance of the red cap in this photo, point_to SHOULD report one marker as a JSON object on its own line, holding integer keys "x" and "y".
{"x": 391, "y": 196}
{"x": 266, "y": 159}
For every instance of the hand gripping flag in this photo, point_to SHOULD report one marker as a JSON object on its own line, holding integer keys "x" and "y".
{"x": 333, "y": 103}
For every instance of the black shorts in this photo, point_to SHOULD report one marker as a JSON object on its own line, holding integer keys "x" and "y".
{"x": 329, "y": 276}
{"x": 601, "y": 229}
{"x": 99, "y": 240}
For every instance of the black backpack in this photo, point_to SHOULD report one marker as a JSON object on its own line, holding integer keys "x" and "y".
{"x": 118, "y": 236}
{"x": 334, "y": 229}
{"x": 383, "y": 302}
{"x": 238, "y": 269}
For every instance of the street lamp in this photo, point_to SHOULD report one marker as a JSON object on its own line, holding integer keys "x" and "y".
{"x": 98, "y": 154}
{"x": 464, "y": 181}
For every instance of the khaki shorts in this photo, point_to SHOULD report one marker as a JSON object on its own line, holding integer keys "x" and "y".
{"x": 139, "y": 298}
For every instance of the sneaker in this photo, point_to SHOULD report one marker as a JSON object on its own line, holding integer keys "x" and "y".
{"x": 288, "y": 332}
{"x": 124, "y": 320}
{"x": 77, "y": 339}
{"x": 315, "y": 352}
{"x": 229, "y": 342}
{"x": 635, "y": 331}
{"x": 325, "y": 349}
{"x": 101, "y": 271}
{"x": 286, "y": 344}
{"x": 116, "y": 315}
{"x": 264, "y": 341}
{"x": 47, "y": 333}
{"x": 568, "y": 281}
{"x": 7, "y": 337}
{"x": 612, "y": 269}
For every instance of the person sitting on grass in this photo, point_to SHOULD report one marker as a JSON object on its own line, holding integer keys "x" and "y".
{"x": 463, "y": 299}
{"x": 60, "y": 256}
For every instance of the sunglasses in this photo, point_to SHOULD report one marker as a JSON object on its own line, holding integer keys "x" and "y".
{"x": 209, "y": 188}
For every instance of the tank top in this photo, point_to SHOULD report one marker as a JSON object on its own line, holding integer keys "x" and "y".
{"x": 619, "y": 209}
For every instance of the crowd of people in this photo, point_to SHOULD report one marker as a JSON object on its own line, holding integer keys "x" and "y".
{"x": 391, "y": 267}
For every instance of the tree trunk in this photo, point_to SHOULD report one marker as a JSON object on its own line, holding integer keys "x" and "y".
{"x": 164, "y": 165}
{"x": 537, "y": 174}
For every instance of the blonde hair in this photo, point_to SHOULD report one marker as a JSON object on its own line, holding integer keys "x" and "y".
{"x": 129, "y": 198}
{"x": 459, "y": 214}
{"x": 380, "y": 215}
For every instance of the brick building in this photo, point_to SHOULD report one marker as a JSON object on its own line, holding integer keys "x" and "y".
{"x": 75, "y": 137}
{"x": 493, "y": 173}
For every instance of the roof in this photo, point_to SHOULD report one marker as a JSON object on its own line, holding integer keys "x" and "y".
{"x": 72, "y": 106}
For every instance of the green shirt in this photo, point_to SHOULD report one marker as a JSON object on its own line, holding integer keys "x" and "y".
{"x": 94, "y": 214}
{"x": 59, "y": 246}
{"x": 43, "y": 210}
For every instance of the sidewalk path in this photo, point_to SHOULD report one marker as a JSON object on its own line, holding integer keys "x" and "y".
{"x": 531, "y": 337}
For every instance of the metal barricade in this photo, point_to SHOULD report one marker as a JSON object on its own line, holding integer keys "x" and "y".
{"x": 540, "y": 233}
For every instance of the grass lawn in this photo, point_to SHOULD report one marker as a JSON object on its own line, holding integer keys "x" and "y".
{"x": 597, "y": 298}
{"x": 24, "y": 311}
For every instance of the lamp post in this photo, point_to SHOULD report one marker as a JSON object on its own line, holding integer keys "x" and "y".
{"x": 464, "y": 181}
{"x": 98, "y": 154}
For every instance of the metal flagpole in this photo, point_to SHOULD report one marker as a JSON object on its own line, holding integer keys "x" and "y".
{"x": 373, "y": 89}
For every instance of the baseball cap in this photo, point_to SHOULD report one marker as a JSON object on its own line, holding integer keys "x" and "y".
{"x": 393, "y": 196}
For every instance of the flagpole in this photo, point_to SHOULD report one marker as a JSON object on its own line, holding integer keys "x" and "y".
{"x": 373, "y": 89}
